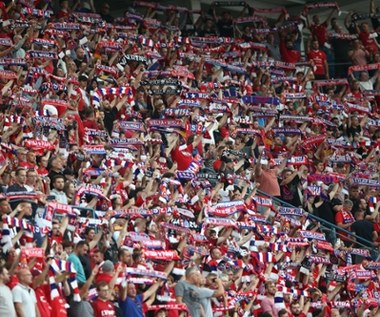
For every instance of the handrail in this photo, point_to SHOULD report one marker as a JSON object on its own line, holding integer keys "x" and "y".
{"x": 353, "y": 237}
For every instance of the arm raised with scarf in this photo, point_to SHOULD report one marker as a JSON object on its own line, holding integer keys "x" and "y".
{"x": 373, "y": 216}
{"x": 298, "y": 173}
{"x": 84, "y": 290}
{"x": 94, "y": 242}
{"x": 40, "y": 279}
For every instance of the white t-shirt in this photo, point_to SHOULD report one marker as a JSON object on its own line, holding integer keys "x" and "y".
{"x": 6, "y": 302}
{"x": 27, "y": 298}
{"x": 60, "y": 196}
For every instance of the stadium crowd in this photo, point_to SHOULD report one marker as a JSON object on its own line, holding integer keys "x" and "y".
{"x": 174, "y": 162}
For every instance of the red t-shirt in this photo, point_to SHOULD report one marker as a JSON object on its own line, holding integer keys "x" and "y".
{"x": 320, "y": 32}
{"x": 319, "y": 58}
{"x": 183, "y": 158}
{"x": 289, "y": 55}
{"x": 368, "y": 43}
{"x": 344, "y": 217}
{"x": 42, "y": 301}
{"x": 224, "y": 132}
{"x": 58, "y": 307}
{"x": 91, "y": 124}
{"x": 103, "y": 308}
{"x": 62, "y": 14}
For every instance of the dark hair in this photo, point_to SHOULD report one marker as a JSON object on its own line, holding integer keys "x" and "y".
{"x": 294, "y": 303}
{"x": 101, "y": 284}
{"x": 136, "y": 255}
{"x": 81, "y": 243}
{"x": 282, "y": 312}
{"x": 121, "y": 252}
{"x": 266, "y": 314}
{"x": 51, "y": 162}
{"x": 87, "y": 230}
{"x": 20, "y": 169}
{"x": 67, "y": 243}
{"x": 57, "y": 177}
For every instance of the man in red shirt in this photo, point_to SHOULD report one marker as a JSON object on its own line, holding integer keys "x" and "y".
{"x": 368, "y": 39}
{"x": 298, "y": 311}
{"x": 288, "y": 53}
{"x": 318, "y": 29}
{"x": 102, "y": 305}
{"x": 319, "y": 58}
{"x": 344, "y": 219}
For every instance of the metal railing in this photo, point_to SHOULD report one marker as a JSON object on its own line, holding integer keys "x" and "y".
{"x": 361, "y": 242}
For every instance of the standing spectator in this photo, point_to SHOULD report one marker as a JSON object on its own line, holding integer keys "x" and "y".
{"x": 55, "y": 167}
{"x": 125, "y": 258}
{"x": 341, "y": 47}
{"x": 81, "y": 248}
{"x": 105, "y": 13}
{"x": 224, "y": 24}
{"x": 364, "y": 229}
{"x": 92, "y": 240}
{"x": 64, "y": 10}
{"x": 266, "y": 176}
{"x": 42, "y": 163}
{"x": 288, "y": 51}
{"x": 31, "y": 180}
{"x": 197, "y": 298}
{"x": 367, "y": 83}
{"x": 267, "y": 303}
{"x": 102, "y": 305}
{"x": 299, "y": 310}
{"x": 131, "y": 303}
{"x": 290, "y": 186}
{"x": 19, "y": 185}
{"x": 58, "y": 189}
{"x": 344, "y": 219}
{"x": 24, "y": 297}
{"x": 206, "y": 26}
{"x": 358, "y": 54}
{"x": 324, "y": 210}
{"x": 30, "y": 160}
{"x": 106, "y": 274}
{"x": 368, "y": 39}
{"x": 6, "y": 298}
{"x": 319, "y": 59}
{"x": 318, "y": 29}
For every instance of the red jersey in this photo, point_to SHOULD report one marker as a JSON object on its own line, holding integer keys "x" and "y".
{"x": 58, "y": 307}
{"x": 91, "y": 124}
{"x": 368, "y": 42}
{"x": 42, "y": 302}
{"x": 183, "y": 158}
{"x": 320, "y": 32}
{"x": 103, "y": 308}
{"x": 319, "y": 58}
{"x": 289, "y": 55}
{"x": 344, "y": 217}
